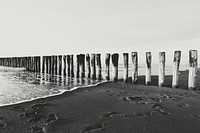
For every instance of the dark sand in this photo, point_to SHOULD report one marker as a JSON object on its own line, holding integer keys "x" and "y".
{"x": 108, "y": 108}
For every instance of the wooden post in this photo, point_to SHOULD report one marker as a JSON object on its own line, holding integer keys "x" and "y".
{"x": 125, "y": 55}
{"x": 88, "y": 65}
{"x": 17, "y": 65}
{"x": 161, "y": 78}
{"x": 134, "y": 67}
{"x": 77, "y": 66}
{"x": 93, "y": 66}
{"x": 52, "y": 65}
{"x": 27, "y": 63}
{"x": 55, "y": 64}
{"x": 72, "y": 65}
{"x": 37, "y": 64}
{"x": 115, "y": 58}
{"x": 22, "y": 62}
{"x": 148, "y": 68}
{"x": 60, "y": 64}
{"x": 98, "y": 59}
{"x": 64, "y": 63}
{"x": 82, "y": 65}
{"x": 47, "y": 65}
{"x": 32, "y": 63}
{"x": 176, "y": 63}
{"x": 19, "y": 62}
{"x": 68, "y": 66}
{"x": 193, "y": 58}
{"x": 107, "y": 69}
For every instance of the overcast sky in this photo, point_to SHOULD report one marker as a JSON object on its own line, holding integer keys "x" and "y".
{"x": 40, "y": 27}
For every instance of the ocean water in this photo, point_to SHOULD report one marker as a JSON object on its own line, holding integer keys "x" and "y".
{"x": 18, "y": 85}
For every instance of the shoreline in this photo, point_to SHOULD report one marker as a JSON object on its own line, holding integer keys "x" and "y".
{"x": 62, "y": 92}
{"x": 141, "y": 81}
{"x": 105, "y": 108}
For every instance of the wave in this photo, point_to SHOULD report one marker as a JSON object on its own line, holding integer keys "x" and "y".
{"x": 57, "y": 94}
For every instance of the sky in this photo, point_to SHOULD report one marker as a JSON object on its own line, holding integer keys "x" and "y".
{"x": 46, "y": 27}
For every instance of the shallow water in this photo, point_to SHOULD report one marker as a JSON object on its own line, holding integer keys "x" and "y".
{"x": 18, "y": 85}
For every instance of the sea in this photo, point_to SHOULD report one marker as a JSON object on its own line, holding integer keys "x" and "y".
{"x": 19, "y": 85}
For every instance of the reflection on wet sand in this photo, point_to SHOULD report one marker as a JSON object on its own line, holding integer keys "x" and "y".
{"x": 19, "y": 84}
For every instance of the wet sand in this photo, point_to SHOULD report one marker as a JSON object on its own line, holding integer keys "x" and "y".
{"x": 108, "y": 108}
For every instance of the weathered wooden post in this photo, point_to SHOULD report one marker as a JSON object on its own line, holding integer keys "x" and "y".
{"x": 27, "y": 63}
{"x": 82, "y": 65}
{"x": 64, "y": 63}
{"x": 77, "y": 66}
{"x": 88, "y": 65}
{"x": 68, "y": 66}
{"x": 7, "y": 61}
{"x": 30, "y": 63}
{"x": 43, "y": 63}
{"x": 60, "y": 64}
{"x": 115, "y": 58}
{"x": 55, "y": 64}
{"x": 148, "y": 68}
{"x": 193, "y": 58}
{"x": 52, "y": 65}
{"x": 47, "y": 64}
{"x": 72, "y": 65}
{"x": 125, "y": 55}
{"x": 12, "y": 62}
{"x": 1, "y": 61}
{"x": 17, "y": 65}
{"x": 93, "y": 66}
{"x": 176, "y": 63}
{"x": 28, "y": 60}
{"x": 98, "y": 59}
{"x": 20, "y": 61}
{"x": 37, "y": 63}
{"x": 161, "y": 78}
{"x": 34, "y": 63}
{"x": 107, "y": 69}
{"x": 134, "y": 67}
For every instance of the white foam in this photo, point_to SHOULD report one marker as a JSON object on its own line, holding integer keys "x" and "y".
{"x": 61, "y": 92}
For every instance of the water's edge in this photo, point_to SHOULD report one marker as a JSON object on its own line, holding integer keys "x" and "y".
{"x": 58, "y": 94}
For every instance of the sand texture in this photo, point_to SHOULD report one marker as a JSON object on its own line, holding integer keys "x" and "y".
{"x": 108, "y": 108}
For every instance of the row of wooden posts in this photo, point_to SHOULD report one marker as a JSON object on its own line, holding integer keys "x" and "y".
{"x": 53, "y": 65}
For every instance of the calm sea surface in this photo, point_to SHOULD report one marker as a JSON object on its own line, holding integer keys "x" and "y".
{"x": 18, "y": 85}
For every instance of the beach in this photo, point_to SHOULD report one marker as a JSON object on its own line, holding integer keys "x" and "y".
{"x": 99, "y": 66}
{"x": 108, "y": 107}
